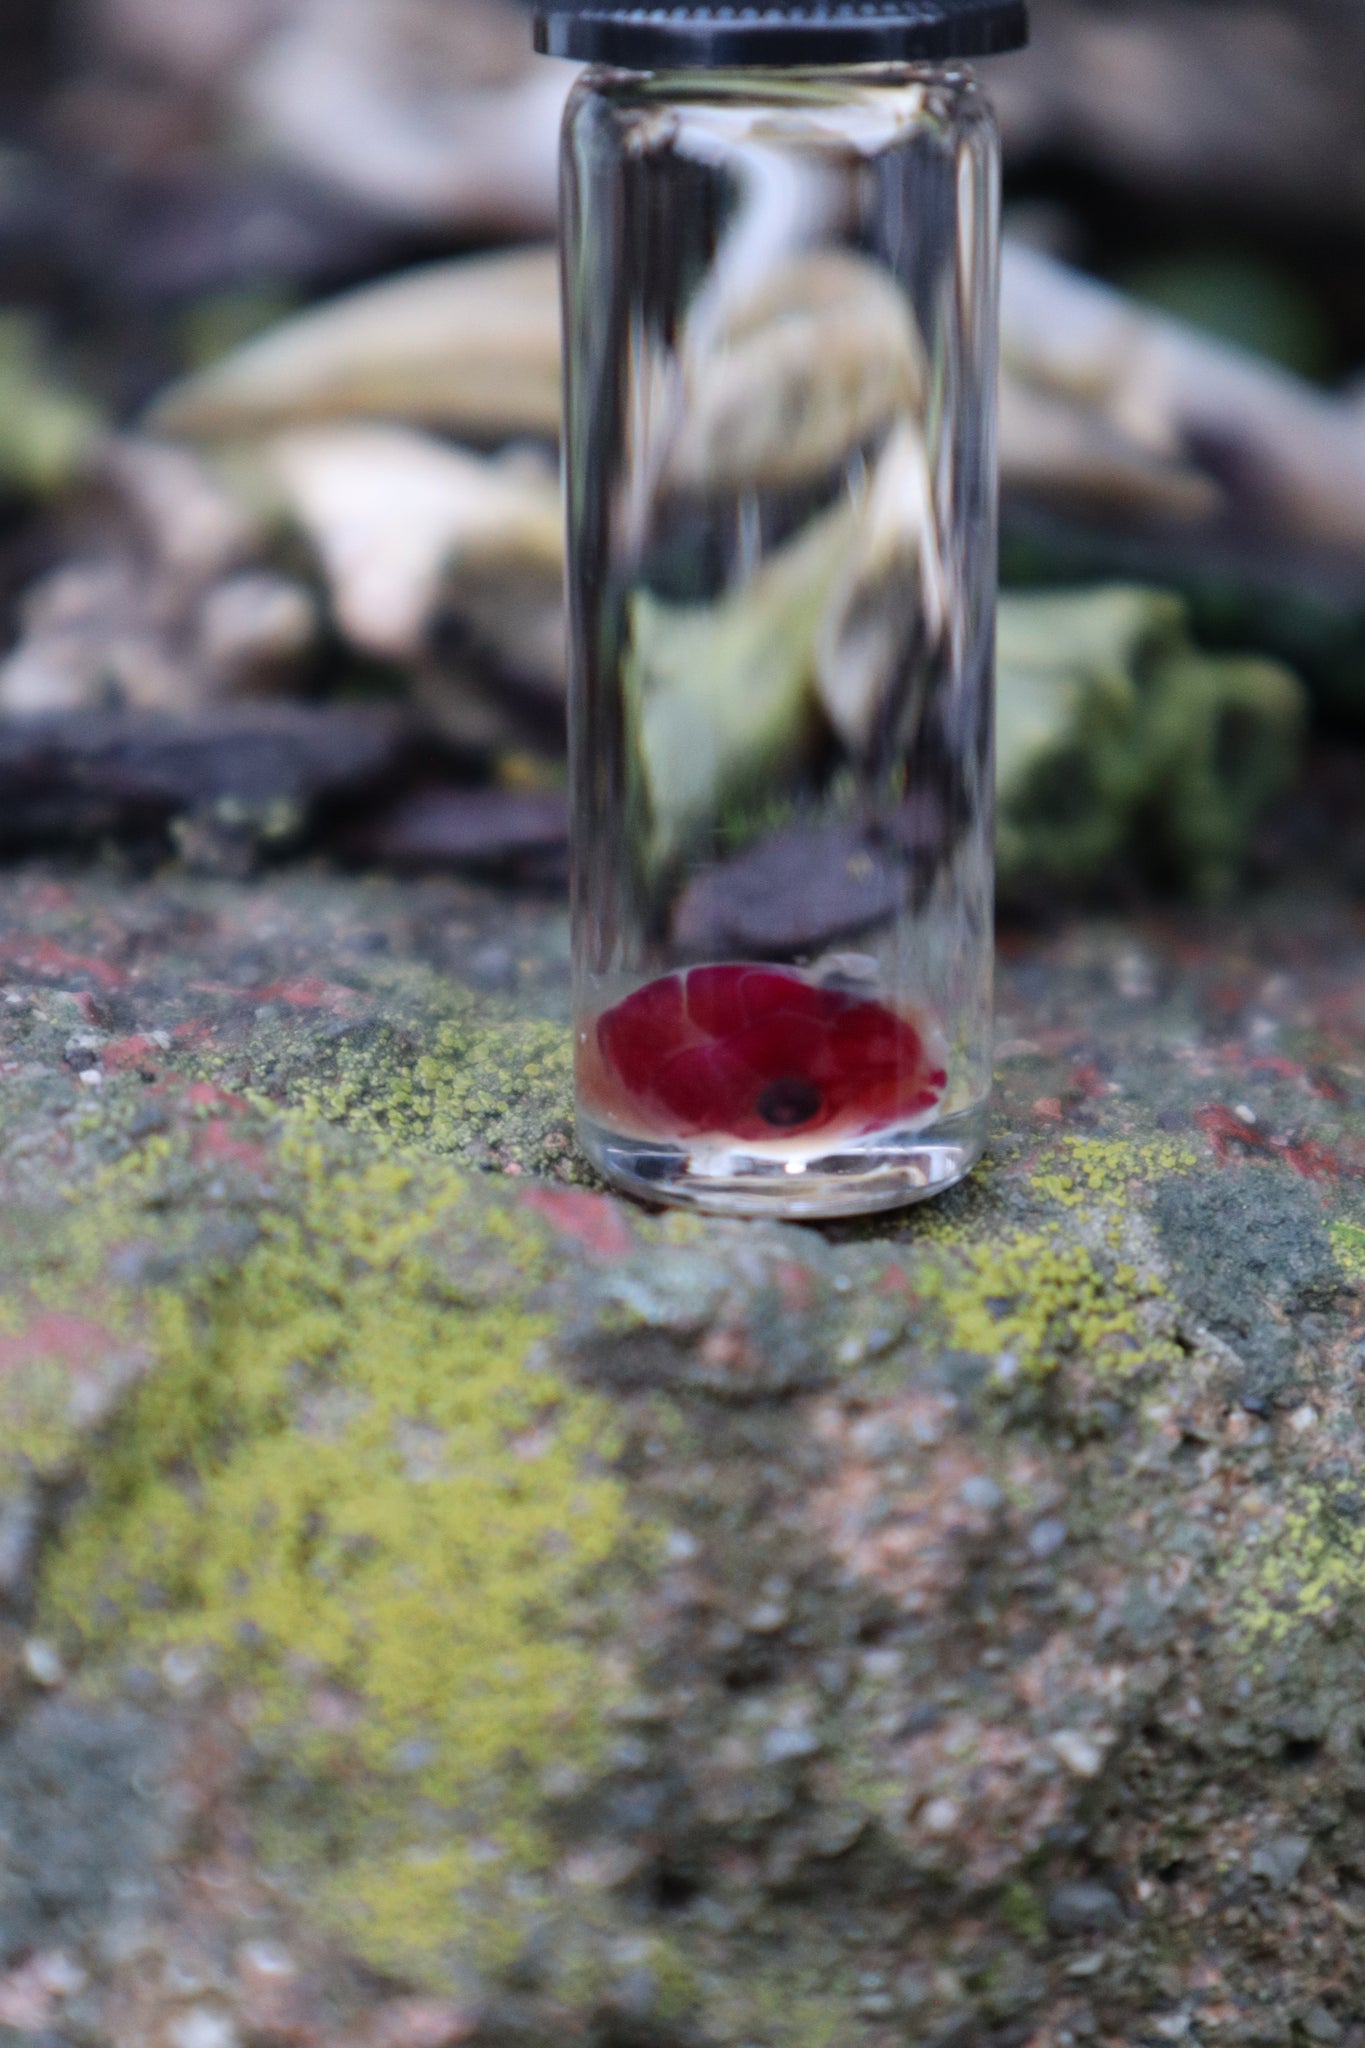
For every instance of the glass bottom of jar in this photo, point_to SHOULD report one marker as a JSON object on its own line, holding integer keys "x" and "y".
{"x": 885, "y": 1170}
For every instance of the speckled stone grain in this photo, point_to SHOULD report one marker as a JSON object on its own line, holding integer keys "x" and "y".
{"x": 443, "y": 1603}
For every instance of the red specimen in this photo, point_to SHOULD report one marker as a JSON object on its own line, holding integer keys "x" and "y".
{"x": 757, "y": 1053}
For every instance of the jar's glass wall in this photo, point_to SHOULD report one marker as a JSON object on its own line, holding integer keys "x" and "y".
{"x": 781, "y": 324}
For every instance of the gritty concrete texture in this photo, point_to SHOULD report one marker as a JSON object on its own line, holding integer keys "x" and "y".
{"x": 442, "y": 1603}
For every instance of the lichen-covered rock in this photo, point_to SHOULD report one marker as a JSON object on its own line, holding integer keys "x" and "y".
{"x": 457, "y": 1606}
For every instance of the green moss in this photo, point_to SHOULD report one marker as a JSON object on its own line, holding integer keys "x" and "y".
{"x": 355, "y": 1485}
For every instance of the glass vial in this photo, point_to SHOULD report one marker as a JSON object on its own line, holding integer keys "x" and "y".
{"x": 780, "y": 247}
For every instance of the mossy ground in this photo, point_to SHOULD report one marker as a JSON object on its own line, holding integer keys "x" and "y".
{"x": 443, "y": 1070}
{"x": 1348, "y": 1242}
{"x": 1308, "y": 1566}
{"x": 1071, "y": 1287}
{"x": 353, "y": 1483}
{"x": 357, "y": 1471}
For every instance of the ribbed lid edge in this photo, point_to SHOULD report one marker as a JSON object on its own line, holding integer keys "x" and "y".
{"x": 698, "y": 37}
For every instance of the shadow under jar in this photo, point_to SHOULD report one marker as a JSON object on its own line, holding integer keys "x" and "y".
{"x": 780, "y": 256}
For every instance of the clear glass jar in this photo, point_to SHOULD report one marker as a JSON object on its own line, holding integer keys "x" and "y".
{"x": 781, "y": 346}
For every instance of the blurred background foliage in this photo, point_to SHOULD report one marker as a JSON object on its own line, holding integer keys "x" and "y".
{"x": 368, "y": 609}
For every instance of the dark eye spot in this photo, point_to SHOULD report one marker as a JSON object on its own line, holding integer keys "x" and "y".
{"x": 785, "y": 1104}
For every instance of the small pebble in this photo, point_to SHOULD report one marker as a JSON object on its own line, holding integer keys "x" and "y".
{"x": 202, "y": 2028}
{"x": 266, "y": 1959}
{"x": 1077, "y": 1752}
{"x": 883, "y": 1663}
{"x": 1280, "y": 1859}
{"x": 789, "y": 1745}
{"x": 1087, "y": 1966}
{"x": 836, "y": 1832}
{"x": 60, "y": 1974}
{"x": 182, "y": 1669}
{"x": 1084, "y": 1908}
{"x": 1046, "y": 1538}
{"x": 43, "y": 1663}
{"x": 1135, "y": 977}
{"x": 941, "y": 1816}
{"x": 981, "y": 1493}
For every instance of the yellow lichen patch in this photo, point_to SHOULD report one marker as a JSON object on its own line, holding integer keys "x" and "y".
{"x": 1348, "y": 1242}
{"x": 359, "y": 1490}
{"x": 1307, "y": 1565}
{"x": 1042, "y": 1301}
{"x": 482, "y": 1087}
{"x": 37, "y": 1433}
{"x": 1042, "y": 1296}
{"x": 1088, "y": 1171}
{"x": 477, "y": 1084}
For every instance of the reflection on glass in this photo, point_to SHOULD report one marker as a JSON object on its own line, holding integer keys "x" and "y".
{"x": 781, "y": 309}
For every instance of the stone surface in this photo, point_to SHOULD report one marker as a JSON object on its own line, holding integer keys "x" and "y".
{"x": 444, "y": 1603}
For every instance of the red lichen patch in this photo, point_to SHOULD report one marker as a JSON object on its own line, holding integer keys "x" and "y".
{"x": 135, "y": 1055}
{"x": 1310, "y": 1160}
{"x": 757, "y": 1054}
{"x": 1232, "y": 1137}
{"x": 306, "y": 992}
{"x": 46, "y": 960}
{"x": 49, "y": 899}
{"x": 1088, "y": 1084}
{"x": 207, "y": 1095}
{"x": 795, "y": 1287}
{"x": 190, "y": 1035}
{"x": 214, "y": 1143}
{"x": 1314, "y": 1080}
{"x": 1276, "y": 1064}
{"x": 592, "y": 1221}
{"x": 85, "y": 1365}
{"x": 1228, "y": 1134}
{"x": 56, "y": 1339}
